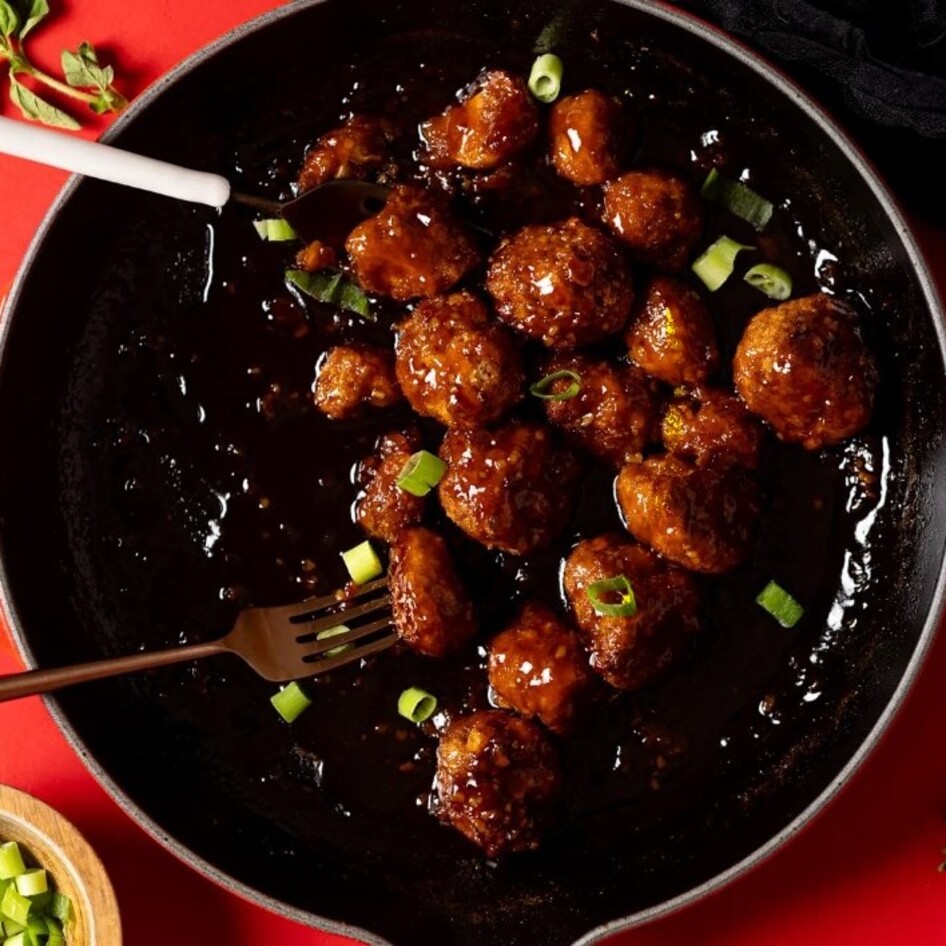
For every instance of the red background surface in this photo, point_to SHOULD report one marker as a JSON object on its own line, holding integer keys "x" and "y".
{"x": 865, "y": 872}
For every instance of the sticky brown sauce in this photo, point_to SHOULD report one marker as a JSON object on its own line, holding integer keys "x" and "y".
{"x": 228, "y": 489}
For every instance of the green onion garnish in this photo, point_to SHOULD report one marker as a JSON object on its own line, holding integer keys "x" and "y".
{"x": 625, "y": 608}
{"x": 290, "y": 701}
{"x": 780, "y": 604}
{"x": 30, "y": 913}
{"x": 14, "y": 906}
{"x": 332, "y": 289}
{"x": 61, "y": 908}
{"x": 772, "y": 280}
{"x": 42, "y": 901}
{"x": 274, "y": 230}
{"x": 416, "y": 704}
{"x": 422, "y": 472}
{"x": 542, "y": 388}
{"x": 53, "y": 932}
{"x": 716, "y": 264}
{"x": 32, "y": 882}
{"x": 11, "y": 860}
{"x": 334, "y": 632}
{"x": 545, "y": 79}
{"x": 362, "y": 563}
{"x": 736, "y": 197}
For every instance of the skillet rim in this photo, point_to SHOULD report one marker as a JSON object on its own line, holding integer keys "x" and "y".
{"x": 788, "y": 88}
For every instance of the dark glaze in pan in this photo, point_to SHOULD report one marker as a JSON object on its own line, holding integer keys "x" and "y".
{"x": 135, "y": 388}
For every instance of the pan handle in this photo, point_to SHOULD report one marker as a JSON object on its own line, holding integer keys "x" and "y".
{"x": 106, "y": 163}
{"x": 31, "y": 682}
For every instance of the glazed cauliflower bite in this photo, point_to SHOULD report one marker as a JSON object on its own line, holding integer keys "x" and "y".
{"x": 510, "y": 488}
{"x": 657, "y": 216}
{"x": 538, "y": 668}
{"x": 382, "y": 509}
{"x": 498, "y": 781}
{"x": 614, "y": 415}
{"x": 712, "y": 428}
{"x": 564, "y": 284}
{"x": 496, "y": 119}
{"x": 456, "y": 364}
{"x": 584, "y": 139}
{"x": 352, "y": 377}
{"x": 672, "y": 335}
{"x": 803, "y": 367}
{"x": 353, "y": 150}
{"x": 413, "y": 248}
{"x": 432, "y": 610}
{"x": 702, "y": 518}
{"x": 630, "y": 652}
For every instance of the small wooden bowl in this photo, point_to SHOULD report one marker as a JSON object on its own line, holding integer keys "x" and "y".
{"x": 75, "y": 869}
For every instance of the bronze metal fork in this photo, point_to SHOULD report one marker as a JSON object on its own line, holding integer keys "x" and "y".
{"x": 280, "y": 643}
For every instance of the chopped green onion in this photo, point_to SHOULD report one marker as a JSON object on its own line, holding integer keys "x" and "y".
{"x": 542, "y": 388}
{"x": 275, "y": 230}
{"x": 545, "y": 79}
{"x": 334, "y": 632}
{"x": 14, "y": 906}
{"x": 27, "y": 905}
{"x": 772, "y": 280}
{"x": 42, "y": 901}
{"x": 54, "y": 932}
{"x": 362, "y": 563}
{"x": 332, "y": 289}
{"x": 11, "y": 860}
{"x": 61, "y": 908}
{"x": 32, "y": 882}
{"x": 736, "y": 197}
{"x": 716, "y": 264}
{"x": 416, "y": 704}
{"x": 289, "y": 702}
{"x": 625, "y": 608}
{"x": 780, "y": 604}
{"x": 422, "y": 472}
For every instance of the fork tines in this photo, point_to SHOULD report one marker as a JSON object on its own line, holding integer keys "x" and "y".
{"x": 366, "y": 614}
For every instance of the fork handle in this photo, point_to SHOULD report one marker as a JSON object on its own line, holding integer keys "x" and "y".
{"x": 30, "y": 682}
{"x": 108, "y": 163}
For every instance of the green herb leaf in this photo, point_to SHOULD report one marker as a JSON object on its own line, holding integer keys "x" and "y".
{"x": 9, "y": 20}
{"x": 36, "y": 110}
{"x": 33, "y": 11}
{"x": 108, "y": 100}
{"x": 83, "y": 71}
{"x": 332, "y": 289}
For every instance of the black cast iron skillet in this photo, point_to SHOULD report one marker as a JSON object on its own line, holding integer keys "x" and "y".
{"x": 161, "y": 469}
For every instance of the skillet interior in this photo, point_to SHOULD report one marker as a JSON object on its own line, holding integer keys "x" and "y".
{"x": 186, "y": 746}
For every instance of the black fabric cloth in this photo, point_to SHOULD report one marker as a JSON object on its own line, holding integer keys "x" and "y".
{"x": 879, "y": 65}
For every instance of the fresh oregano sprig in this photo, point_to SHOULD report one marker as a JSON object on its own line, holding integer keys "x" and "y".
{"x": 86, "y": 79}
